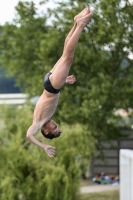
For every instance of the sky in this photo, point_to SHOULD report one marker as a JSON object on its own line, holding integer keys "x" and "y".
{"x": 7, "y": 9}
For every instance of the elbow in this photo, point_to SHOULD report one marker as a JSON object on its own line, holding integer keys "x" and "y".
{"x": 28, "y": 136}
{"x": 30, "y": 132}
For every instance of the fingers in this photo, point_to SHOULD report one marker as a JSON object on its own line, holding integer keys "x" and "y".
{"x": 72, "y": 78}
{"x": 50, "y": 155}
{"x": 53, "y": 147}
{"x": 51, "y": 151}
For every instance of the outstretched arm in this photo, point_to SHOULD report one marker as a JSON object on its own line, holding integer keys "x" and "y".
{"x": 50, "y": 150}
{"x": 30, "y": 135}
{"x": 70, "y": 79}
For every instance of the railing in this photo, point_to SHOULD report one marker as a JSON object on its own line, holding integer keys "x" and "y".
{"x": 13, "y": 99}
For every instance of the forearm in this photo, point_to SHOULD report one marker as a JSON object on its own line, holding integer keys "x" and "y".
{"x": 35, "y": 141}
{"x": 49, "y": 150}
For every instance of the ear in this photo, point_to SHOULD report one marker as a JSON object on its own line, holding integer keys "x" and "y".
{"x": 46, "y": 131}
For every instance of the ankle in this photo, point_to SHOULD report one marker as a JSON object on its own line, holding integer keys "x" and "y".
{"x": 81, "y": 25}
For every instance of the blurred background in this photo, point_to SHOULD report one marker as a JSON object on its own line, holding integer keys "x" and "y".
{"x": 95, "y": 114}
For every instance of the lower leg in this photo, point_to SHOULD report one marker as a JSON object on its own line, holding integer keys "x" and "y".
{"x": 65, "y": 43}
{"x": 70, "y": 34}
{"x": 83, "y": 13}
{"x": 72, "y": 42}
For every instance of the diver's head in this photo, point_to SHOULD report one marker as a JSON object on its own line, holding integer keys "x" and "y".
{"x": 50, "y": 130}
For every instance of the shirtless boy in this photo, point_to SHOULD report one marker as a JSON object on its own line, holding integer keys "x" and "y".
{"x": 53, "y": 82}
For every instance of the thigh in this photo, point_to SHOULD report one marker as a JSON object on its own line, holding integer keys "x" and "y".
{"x": 60, "y": 72}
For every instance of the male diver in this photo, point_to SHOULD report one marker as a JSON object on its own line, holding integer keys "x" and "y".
{"x": 53, "y": 82}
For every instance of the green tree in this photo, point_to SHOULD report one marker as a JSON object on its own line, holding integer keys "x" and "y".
{"x": 30, "y": 47}
{"x": 104, "y": 80}
{"x": 27, "y": 164}
{"x": 24, "y": 37}
{"x": 27, "y": 171}
{"x": 103, "y": 84}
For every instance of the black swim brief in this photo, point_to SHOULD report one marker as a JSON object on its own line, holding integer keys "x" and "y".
{"x": 48, "y": 86}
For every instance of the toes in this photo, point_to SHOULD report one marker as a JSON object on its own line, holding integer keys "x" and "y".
{"x": 82, "y": 13}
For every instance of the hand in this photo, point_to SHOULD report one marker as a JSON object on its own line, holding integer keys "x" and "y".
{"x": 70, "y": 79}
{"x": 50, "y": 150}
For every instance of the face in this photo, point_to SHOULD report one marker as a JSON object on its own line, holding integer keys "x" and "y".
{"x": 52, "y": 127}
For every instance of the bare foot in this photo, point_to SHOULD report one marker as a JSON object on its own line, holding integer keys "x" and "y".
{"x": 82, "y": 14}
{"x": 84, "y": 20}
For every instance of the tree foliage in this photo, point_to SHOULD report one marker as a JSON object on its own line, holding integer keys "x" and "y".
{"x": 30, "y": 47}
{"x": 104, "y": 72}
{"x": 27, "y": 171}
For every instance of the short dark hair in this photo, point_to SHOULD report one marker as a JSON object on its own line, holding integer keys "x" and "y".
{"x": 50, "y": 135}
